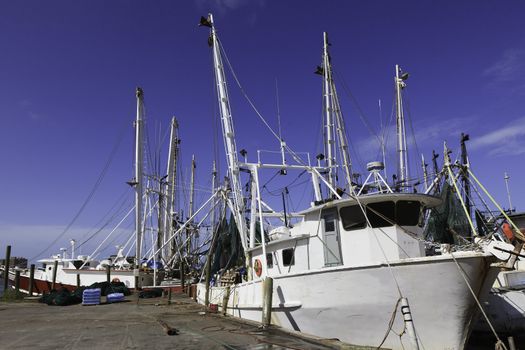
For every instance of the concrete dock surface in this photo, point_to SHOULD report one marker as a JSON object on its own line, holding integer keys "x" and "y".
{"x": 139, "y": 325}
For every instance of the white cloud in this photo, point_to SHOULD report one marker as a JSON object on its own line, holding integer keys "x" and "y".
{"x": 508, "y": 66}
{"x": 507, "y": 140}
{"x": 225, "y": 6}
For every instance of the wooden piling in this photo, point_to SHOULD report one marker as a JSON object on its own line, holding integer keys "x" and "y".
{"x": 182, "y": 274}
{"x": 17, "y": 282}
{"x": 267, "y": 301}
{"x": 108, "y": 273}
{"x": 78, "y": 280}
{"x": 169, "y": 296}
{"x": 225, "y": 299}
{"x": 55, "y": 268}
{"x": 31, "y": 280}
{"x": 6, "y": 266}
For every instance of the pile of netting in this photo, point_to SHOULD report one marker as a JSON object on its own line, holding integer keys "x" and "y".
{"x": 63, "y": 297}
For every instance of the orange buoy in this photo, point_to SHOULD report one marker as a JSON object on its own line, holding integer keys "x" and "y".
{"x": 257, "y": 266}
{"x": 507, "y": 230}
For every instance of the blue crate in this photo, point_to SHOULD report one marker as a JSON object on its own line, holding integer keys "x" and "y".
{"x": 91, "y": 296}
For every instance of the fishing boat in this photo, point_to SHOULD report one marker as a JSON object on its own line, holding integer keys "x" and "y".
{"x": 72, "y": 271}
{"x": 354, "y": 265}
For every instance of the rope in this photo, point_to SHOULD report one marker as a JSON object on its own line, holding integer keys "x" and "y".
{"x": 390, "y": 323}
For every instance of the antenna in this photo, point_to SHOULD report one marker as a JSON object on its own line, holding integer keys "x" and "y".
{"x": 507, "y": 177}
{"x": 382, "y": 138}
{"x": 282, "y": 144}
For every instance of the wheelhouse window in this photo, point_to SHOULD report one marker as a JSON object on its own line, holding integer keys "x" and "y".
{"x": 352, "y": 218}
{"x": 408, "y": 213}
{"x": 381, "y": 214}
{"x": 288, "y": 257}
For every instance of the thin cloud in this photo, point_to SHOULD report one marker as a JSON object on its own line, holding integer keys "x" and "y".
{"x": 425, "y": 135}
{"x": 224, "y": 6}
{"x": 505, "y": 141}
{"x": 510, "y": 67}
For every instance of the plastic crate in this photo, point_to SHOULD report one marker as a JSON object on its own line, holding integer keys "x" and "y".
{"x": 91, "y": 296}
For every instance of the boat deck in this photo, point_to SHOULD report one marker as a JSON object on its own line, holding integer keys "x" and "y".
{"x": 137, "y": 325}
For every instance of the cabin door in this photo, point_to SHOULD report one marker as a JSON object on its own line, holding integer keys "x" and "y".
{"x": 331, "y": 238}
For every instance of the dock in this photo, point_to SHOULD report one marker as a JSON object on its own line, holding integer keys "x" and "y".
{"x": 142, "y": 324}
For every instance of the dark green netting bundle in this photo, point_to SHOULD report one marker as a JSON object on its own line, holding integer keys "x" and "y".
{"x": 447, "y": 220}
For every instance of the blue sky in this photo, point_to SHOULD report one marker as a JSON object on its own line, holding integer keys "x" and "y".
{"x": 68, "y": 71}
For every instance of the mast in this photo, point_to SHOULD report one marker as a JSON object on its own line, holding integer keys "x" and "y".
{"x": 328, "y": 109}
{"x": 402, "y": 163}
{"x": 139, "y": 124}
{"x": 425, "y": 173}
{"x": 465, "y": 165}
{"x": 227, "y": 131}
{"x": 191, "y": 229}
{"x": 435, "y": 167}
{"x": 507, "y": 177}
{"x": 171, "y": 181}
{"x": 213, "y": 188}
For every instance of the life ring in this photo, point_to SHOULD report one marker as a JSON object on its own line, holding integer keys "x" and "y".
{"x": 115, "y": 280}
{"x": 257, "y": 266}
{"x": 507, "y": 230}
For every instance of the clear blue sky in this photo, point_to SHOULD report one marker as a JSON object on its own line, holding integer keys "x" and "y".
{"x": 68, "y": 71}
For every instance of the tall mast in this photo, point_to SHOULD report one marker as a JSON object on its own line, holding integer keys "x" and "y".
{"x": 329, "y": 115}
{"x": 335, "y": 108}
{"x": 213, "y": 188}
{"x": 507, "y": 177}
{"x": 171, "y": 182}
{"x": 402, "y": 164}
{"x": 465, "y": 165}
{"x": 191, "y": 229}
{"x": 425, "y": 172}
{"x": 228, "y": 132}
{"x": 139, "y": 125}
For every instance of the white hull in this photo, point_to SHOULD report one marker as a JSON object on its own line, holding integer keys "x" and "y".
{"x": 68, "y": 278}
{"x": 355, "y": 304}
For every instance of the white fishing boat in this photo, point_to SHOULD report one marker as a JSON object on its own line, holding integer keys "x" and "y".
{"x": 354, "y": 265}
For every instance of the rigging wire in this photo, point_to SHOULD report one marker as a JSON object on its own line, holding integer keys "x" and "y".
{"x": 94, "y": 189}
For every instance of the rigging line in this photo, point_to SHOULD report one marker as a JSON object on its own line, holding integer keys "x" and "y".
{"x": 120, "y": 202}
{"x": 248, "y": 99}
{"x": 101, "y": 228}
{"x": 92, "y": 256}
{"x": 407, "y": 103}
{"x": 90, "y": 195}
{"x": 278, "y": 109}
{"x": 360, "y": 112}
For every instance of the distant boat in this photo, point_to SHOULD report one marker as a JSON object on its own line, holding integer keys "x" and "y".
{"x": 83, "y": 270}
{"x": 354, "y": 266}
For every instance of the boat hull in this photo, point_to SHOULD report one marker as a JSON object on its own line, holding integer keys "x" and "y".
{"x": 356, "y": 304}
{"x": 67, "y": 278}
